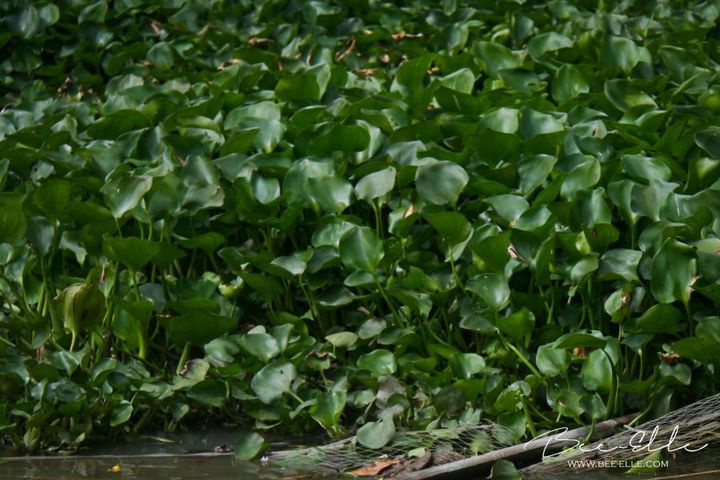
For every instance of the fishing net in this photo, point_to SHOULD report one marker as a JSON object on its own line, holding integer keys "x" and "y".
{"x": 686, "y": 430}
{"x": 407, "y": 451}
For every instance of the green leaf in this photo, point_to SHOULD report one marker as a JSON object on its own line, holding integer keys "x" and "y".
{"x": 697, "y": 348}
{"x": 466, "y": 365}
{"x": 660, "y": 318}
{"x": 115, "y": 124}
{"x": 568, "y": 83}
{"x": 209, "y": 392}
{"x": 121, "y": 414}
{"x": 332, "y": 194}
{"x": 453, "y": 226}
{"x": 221, "y": 351}
{"x": 673, "y": 270}
{"x": 551, "y": 360}
{"x": 709, "y": 140}
{"x": 504, "y": 470}
{"x": 623, "y": 53}
{"x": 625, "y": 95}
{"x": 597, "y": 372}
{"x": 517, "y": 325}
{"x": 376, "y": 434}
{"x": 208, "y": 242}
{"x": 492, "y": 288}
{"x": 309, "y": 85}
{"x": 502, "y": 120}
{"x": 328, "y": 409}
{"x": 248, "y": 446}
{"x": 361, "y": 249}
{"x": 198, "y": 328}
{"x": 539, "y": 45}
{"x": 131, "y": 251}
{"x": 619, "y": 263}
{"x": 379, "y": 362}
{"x": 342, "y": 339}
{"x": 52, "y": 197}
{"x": 261, "y": 345}
{"x": 13, "y": 224}
{"x": 533, "y": 123}
{"x": 494, "y": 57}
{"x": 478, "y": 323}
{"x": 411, "y": 73}
{"x": 579, "y": 339}
{"x": 94, "y": 12}
{"x": 130, "y": 323}
{"x": 83, "y": 305}
{"x": 122, "y": 194}
{"x": 462, "y": 81}
{"x": 646, "y": 168}
{"x": 339, "y": 138}
{"x": 293, "y": 264}
{"x": 509, "y": 207}
{"x": 534, "y": 171}
{"x": 273, "y": 380}
{"x": 582, "y": 177}
{"x": 440, "y": 182}
{"x": 376, "y": 185}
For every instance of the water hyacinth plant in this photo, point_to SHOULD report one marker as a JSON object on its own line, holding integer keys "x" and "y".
{"x": 354, "y": 216}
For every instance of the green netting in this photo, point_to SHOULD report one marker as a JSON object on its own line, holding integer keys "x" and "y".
{"x": 693, "y": 426}
{"x": 429, "y": 447}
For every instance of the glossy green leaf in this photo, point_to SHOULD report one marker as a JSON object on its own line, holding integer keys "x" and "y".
{"x": 342, "y": 339}
{"x": 13, "y": 224}
{"x": 328, "y": 409}
{"x": 361, "y": 249}
{"x": 492, "y": 288}
{"x": 597, "y": 372}
{"x": 117, "y": 123}
{"x": 660, "y": 318}
{"x": 551, "y": 360}
{"x": 462, "y": 81}
{"x": 440, "y": 182}
{"x": 248, "y": 445}
{"x": 52, "y": 197}
{"x": 376, "y": 185}
{"x": 122, "y": 194}
{"x": 494, "y": 57}
{"x": 273, "y": 380}
{"x": 568, "y": 83}
{"x": 261, "y": 345}
{"x": 132, "y": 251}
{"x": 198, "y": 328}
{"x": 622, "y": 52}
{"x": 379, "y": 362}
{"x": 466, "y": 365}
{"x": 709, "y": 140}
{"x": 310, "y": 85}
{"x": 673, "y": 270}
{"x": 376, "y": 434}
{"x": 518, "y": 324}
{"x": 210, "y": 392}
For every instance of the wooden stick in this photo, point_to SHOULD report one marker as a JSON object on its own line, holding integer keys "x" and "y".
{"x": 531, "y": 451}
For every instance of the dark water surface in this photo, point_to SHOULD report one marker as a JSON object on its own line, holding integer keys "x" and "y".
{"x": 177, "y": 457}
{"x": 192, "y": 456}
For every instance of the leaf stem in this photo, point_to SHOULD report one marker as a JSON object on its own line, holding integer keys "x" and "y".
{"x": 522, "y": 358}
{"x": 183, "y": 358}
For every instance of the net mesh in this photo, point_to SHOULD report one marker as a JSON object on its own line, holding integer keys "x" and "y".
{"x": 691, "y": 427}
{"x": 407, "y": 450}
{"x": 688, "y": 428}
